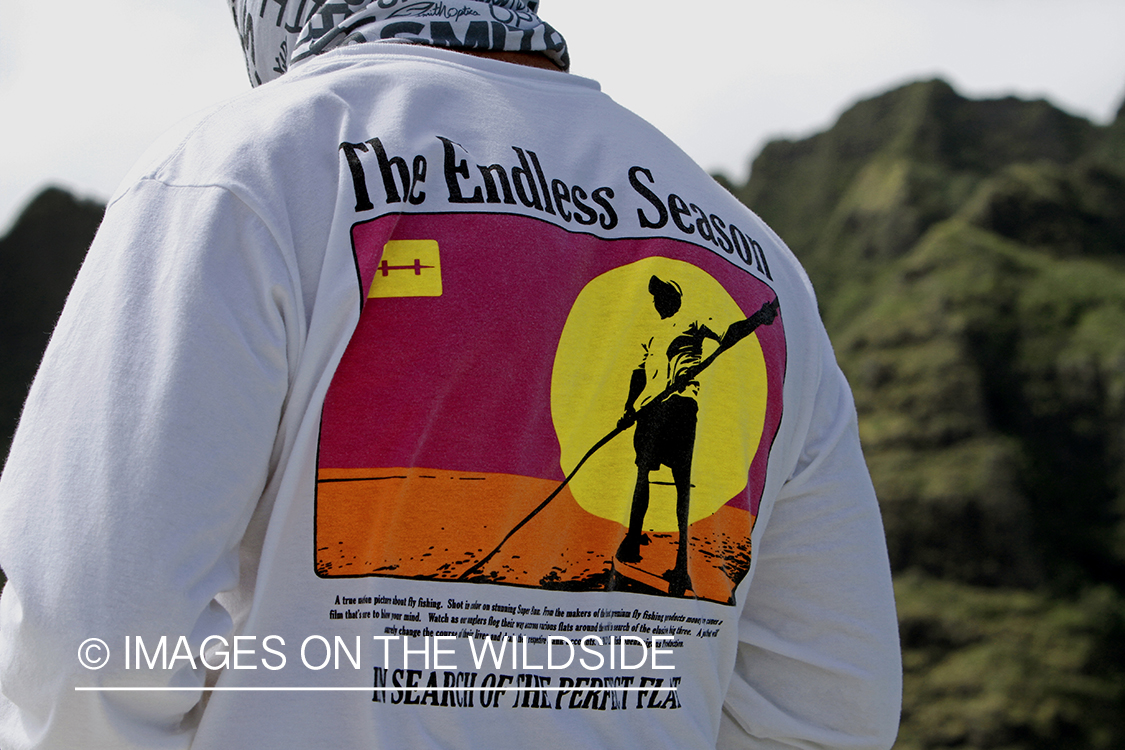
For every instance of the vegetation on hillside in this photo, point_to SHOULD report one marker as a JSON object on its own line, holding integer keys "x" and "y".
{"x": 969, "y": 258}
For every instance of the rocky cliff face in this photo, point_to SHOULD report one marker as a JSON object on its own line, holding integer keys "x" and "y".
{"x": 970, "y": 262}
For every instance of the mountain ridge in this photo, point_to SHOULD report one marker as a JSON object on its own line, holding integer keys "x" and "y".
{"x": 969, "y": 260}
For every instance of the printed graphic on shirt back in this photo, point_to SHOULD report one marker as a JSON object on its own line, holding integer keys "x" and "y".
{"x": 525, "y": 406}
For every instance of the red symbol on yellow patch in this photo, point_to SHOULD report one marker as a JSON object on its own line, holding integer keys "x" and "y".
{"x": 408, "y": 268}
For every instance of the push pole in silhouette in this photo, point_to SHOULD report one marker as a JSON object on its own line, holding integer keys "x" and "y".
{"x": 735, "y": 332}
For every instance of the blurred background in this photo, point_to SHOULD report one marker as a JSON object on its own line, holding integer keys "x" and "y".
{"x": 950, "y": 172}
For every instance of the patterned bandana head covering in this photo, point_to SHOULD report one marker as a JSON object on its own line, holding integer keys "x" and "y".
{"x": 278, "y": 33}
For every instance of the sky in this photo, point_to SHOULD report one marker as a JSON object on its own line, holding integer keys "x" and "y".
{"x": 87, "y": 86}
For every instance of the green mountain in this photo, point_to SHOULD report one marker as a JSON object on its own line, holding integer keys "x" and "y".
{"x": 39, "y": 258}
{"x": 969, "y": 258}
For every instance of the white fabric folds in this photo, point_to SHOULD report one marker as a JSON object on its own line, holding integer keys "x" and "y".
{"x": 278, "y": 33}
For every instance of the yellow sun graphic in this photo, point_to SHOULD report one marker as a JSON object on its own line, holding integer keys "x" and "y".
{"x": 601, "y": 345}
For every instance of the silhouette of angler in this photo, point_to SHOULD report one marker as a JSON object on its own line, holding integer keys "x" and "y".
{"x": 662, "y": 400}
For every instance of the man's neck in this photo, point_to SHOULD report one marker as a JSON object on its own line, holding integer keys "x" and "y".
{"x": 531, "y": 59}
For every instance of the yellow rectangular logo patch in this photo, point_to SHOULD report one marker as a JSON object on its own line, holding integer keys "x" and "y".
{"x": 408, "y": 268}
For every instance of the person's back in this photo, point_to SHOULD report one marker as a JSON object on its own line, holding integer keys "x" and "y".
{"x": 349, "y": 349}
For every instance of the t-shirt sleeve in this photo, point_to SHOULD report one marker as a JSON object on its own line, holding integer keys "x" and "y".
{"x": 143, "y": 449}
{"x": 818, "y": 663}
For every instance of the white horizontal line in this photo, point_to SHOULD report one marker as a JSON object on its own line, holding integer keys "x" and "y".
{"x": 383, "y": 689}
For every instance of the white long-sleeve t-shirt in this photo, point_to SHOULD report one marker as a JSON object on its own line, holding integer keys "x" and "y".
{"x": 297, "y": 454}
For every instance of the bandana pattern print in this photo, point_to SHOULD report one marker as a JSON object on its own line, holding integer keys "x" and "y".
{"x": 276, "y": 33}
